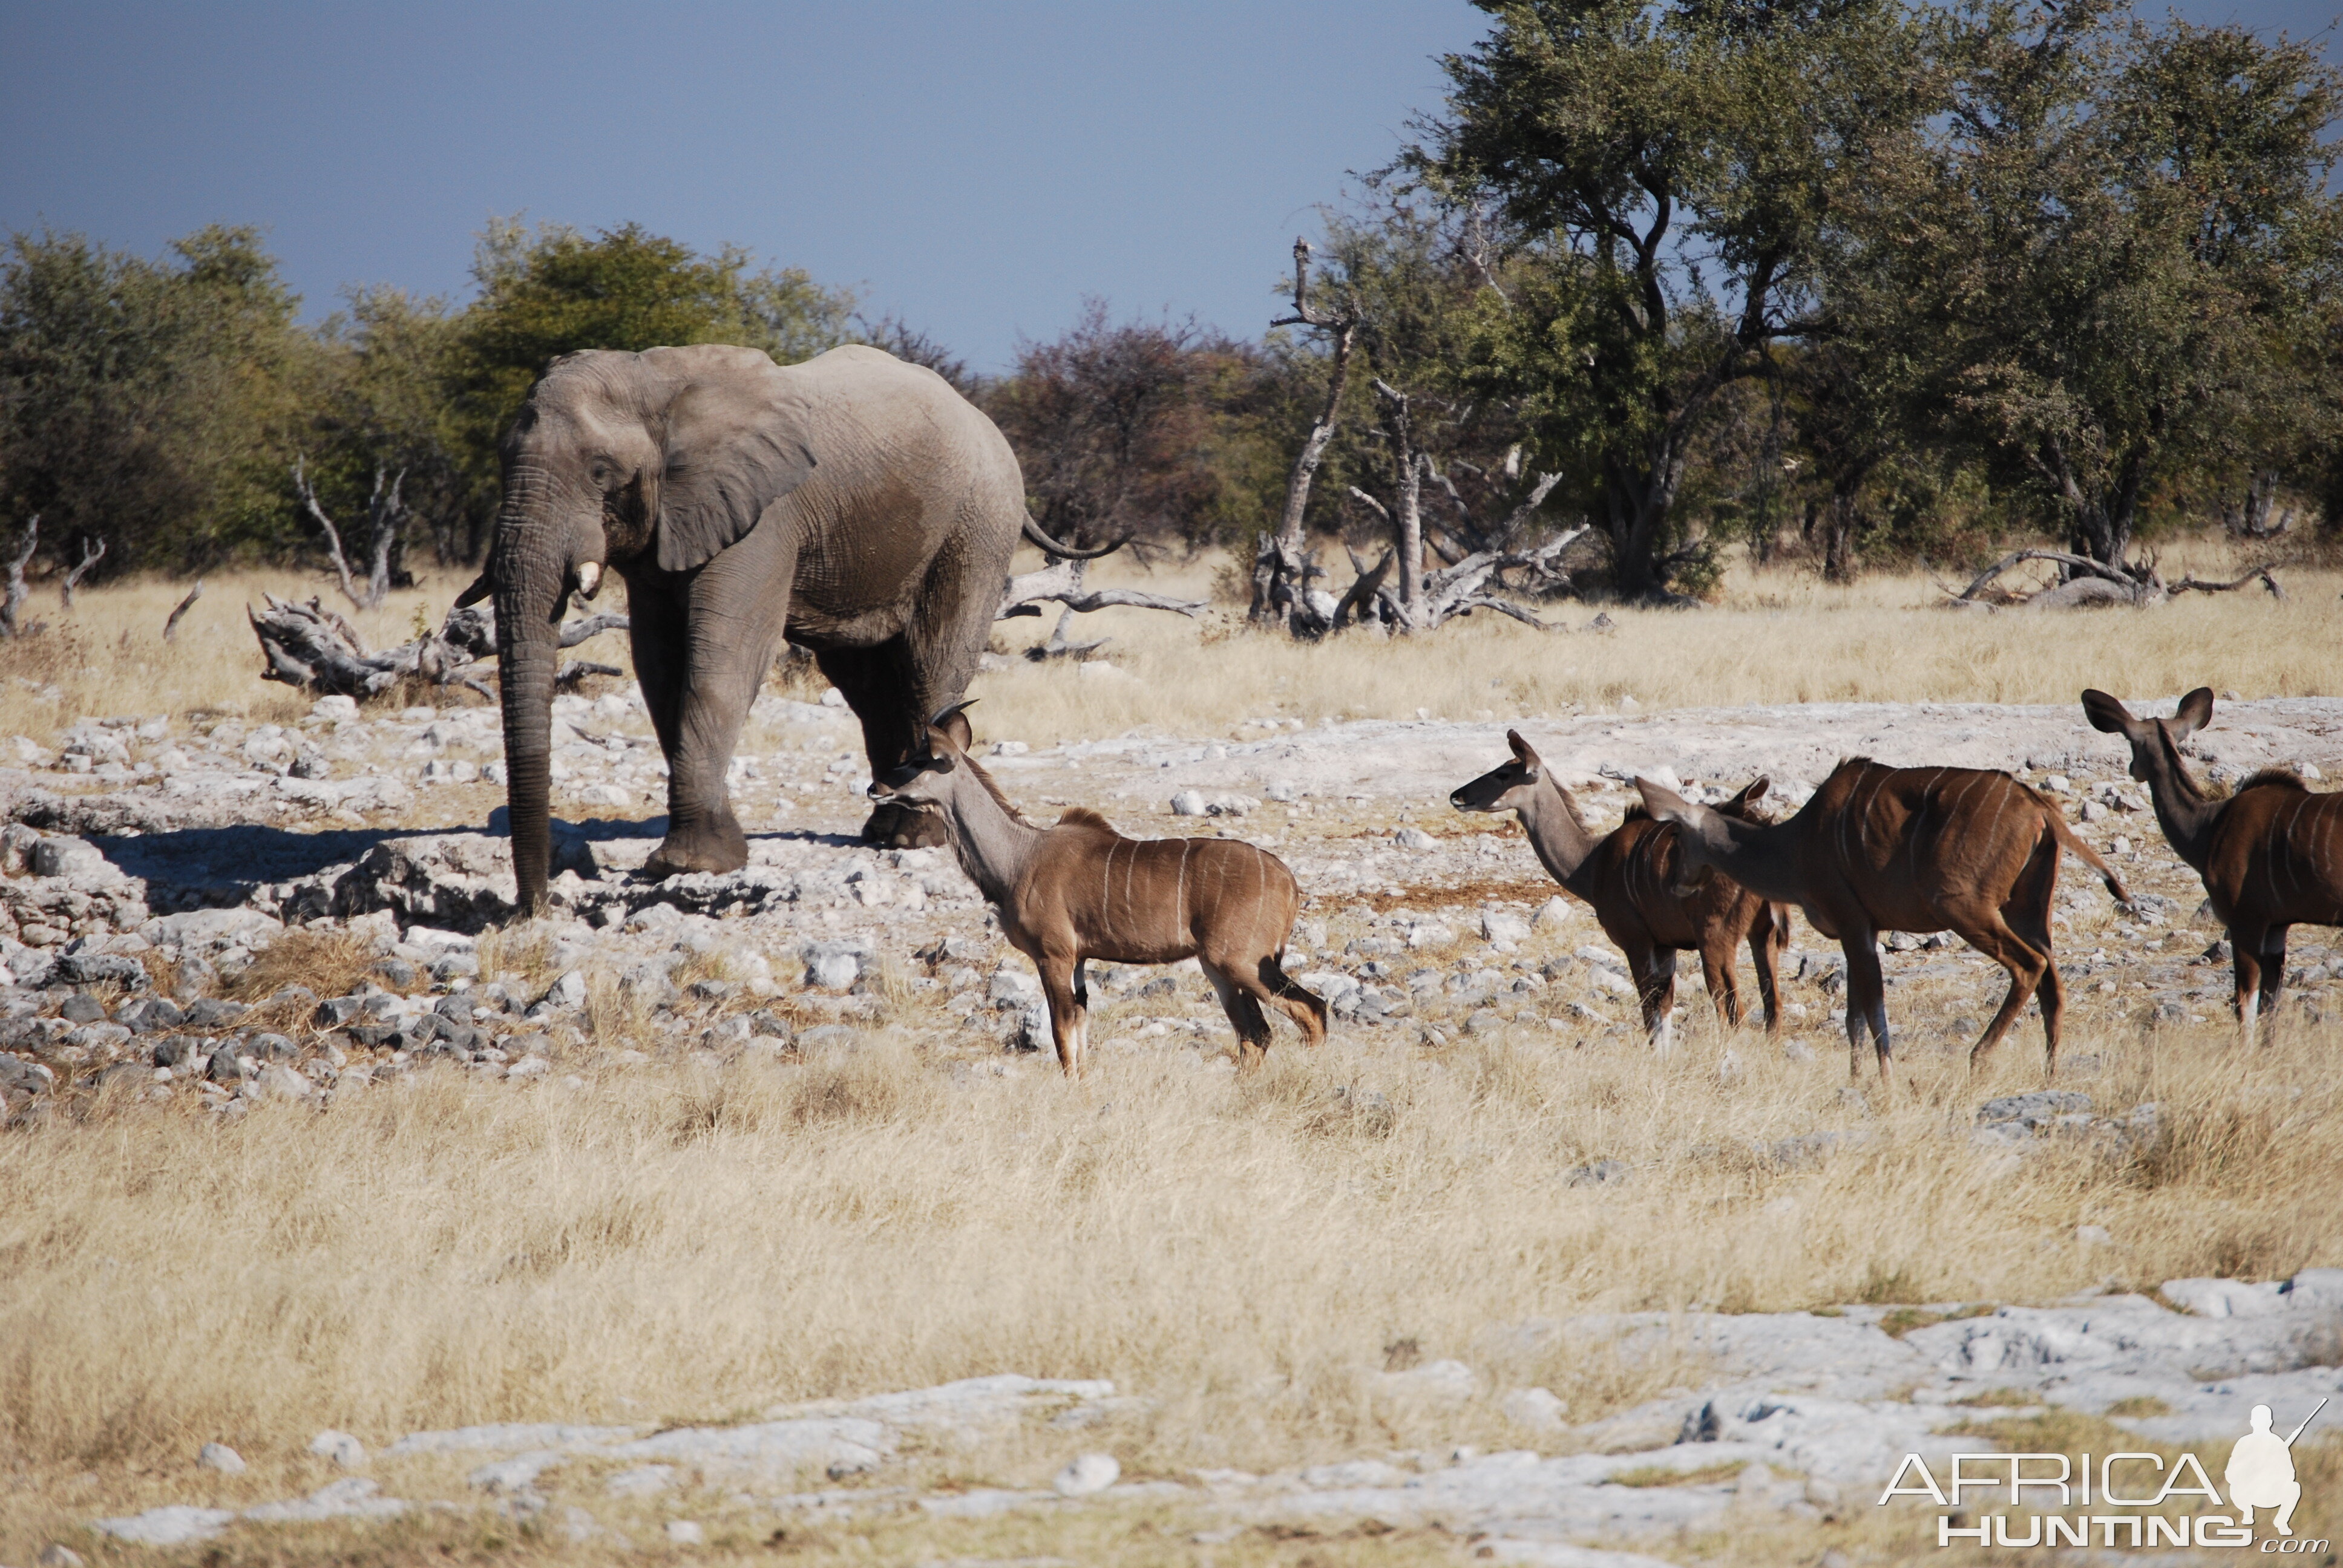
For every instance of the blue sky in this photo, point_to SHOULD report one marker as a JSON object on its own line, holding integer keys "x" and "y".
{"x": 978, "y": 169}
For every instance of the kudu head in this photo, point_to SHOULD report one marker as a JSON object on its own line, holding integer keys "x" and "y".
{"x": 925, "y": 777}
{"x": 1509, "y": 788}
{"x": 2154, "y": 741}
{"x": 1704, "y": 840}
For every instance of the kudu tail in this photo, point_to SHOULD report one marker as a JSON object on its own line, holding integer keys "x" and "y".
{"x": 2073, "y": 844}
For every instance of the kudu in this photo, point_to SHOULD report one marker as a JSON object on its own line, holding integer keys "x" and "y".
{"x": 1882, "y": 849}
{"x": 2270, "y": 856}
{"x": 1630, "y": 878}
{"x": 1079, "y": 891}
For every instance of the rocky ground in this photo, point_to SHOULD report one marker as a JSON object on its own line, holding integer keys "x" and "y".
{"x": 157, "y": 873}
{"x": 148, "y": 864}
{"x": 1804, "y": 1413}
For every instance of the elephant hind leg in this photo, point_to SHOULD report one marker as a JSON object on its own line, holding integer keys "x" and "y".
{"x": 880, "y": 685}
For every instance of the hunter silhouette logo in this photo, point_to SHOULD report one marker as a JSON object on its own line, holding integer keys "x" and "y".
{"x": 2261, "y": 1470}
{"x": 2122, "y": 1496}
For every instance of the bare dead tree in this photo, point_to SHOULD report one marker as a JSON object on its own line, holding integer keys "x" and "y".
{"x": 92, "y": 550}
{"x": 2257, "y": 515}
{"x": 386, "y": 518}
{"x": 171, "y": 626}
{"x": 1452, "y": 591}
{"x": 11, "y": 605}
{"x": 1282, "y": 570}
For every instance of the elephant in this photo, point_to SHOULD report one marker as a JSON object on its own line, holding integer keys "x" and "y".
{"x": 855, "y": 505}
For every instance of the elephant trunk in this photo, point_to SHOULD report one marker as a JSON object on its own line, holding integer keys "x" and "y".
{"x": 532, "y": 571}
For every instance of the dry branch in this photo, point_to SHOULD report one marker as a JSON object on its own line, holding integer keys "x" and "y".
{"x": 171, "y": 625}
{"x": 92, "y": 550}
{"x": 385, "y": 515}
{"x": 1063, "y": 583}
{"x": 578, "y": 669}
{"x": 2261, "y": 573}
{"x": 310, "y": 645}
{"x": 11, "y": 605}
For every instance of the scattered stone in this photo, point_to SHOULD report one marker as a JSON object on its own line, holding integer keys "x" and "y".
{"x": 1415, "y": 839}
{"x": 174, "y": 1526}
{"x": 219, "y": 1456}
{"x": 340, "y": 1447}
{"x": 57, "y": 1554}
{"x": 213, "y": 1012}
{"x": 1597, "y": 1174}
{"x": 1538, "y": 1409}
{"x": 2042, "y": 1108}
{"x": 1090, "y": 1474}
{"x": 1497, "y": 926}
{"x": 685, "y": 1533}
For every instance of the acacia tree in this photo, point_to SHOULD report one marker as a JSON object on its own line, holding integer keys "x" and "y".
{"x": 1658, "y": 177}
{"x": 2133, "y": 237}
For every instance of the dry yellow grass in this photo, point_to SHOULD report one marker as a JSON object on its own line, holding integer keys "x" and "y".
{"x": 658, "y": 1246}
{"x": 1777, "y": 636}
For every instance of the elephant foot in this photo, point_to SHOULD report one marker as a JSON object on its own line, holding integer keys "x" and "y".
{"x": 713, "y": 847}
{"x": 900, "y": 827}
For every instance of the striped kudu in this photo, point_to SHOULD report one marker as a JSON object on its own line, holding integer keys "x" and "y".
{"x": 2270, "y": 856}
{"x": 1629, "y": 878}
{"x": 1883, "y": 849}
{"x": 1079, "y": 891}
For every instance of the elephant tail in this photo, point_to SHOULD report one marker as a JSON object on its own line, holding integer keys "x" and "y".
{"x": 1065, "y": 552}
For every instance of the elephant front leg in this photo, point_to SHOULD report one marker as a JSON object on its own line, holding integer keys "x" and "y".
{"x": 733, "y": 614}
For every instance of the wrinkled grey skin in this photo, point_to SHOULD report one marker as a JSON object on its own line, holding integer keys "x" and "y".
{"x": 854, "y": 504}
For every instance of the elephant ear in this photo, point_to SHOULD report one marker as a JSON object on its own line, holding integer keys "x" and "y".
{"x": 733, "y": 448}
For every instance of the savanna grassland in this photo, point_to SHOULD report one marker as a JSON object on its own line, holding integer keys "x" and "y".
{"x": 695, "y": 1237}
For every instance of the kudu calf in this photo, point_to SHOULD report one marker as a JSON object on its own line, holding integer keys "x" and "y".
{"x": 1079, "y": 891}
{"x": 2270, "y": 856}
{"x": 1906, "y": 850}
{"x": 1630, "y": 877}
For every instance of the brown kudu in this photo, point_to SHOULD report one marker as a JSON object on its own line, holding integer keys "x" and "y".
{"x": 2270, "y": 856}
{"x": 1630, "y": 878}
{"x": 1882, "y": 849}
{"x": 1079, "y": 891}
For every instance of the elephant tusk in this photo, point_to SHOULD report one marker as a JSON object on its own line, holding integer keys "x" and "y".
{"x": 589, "y": 577}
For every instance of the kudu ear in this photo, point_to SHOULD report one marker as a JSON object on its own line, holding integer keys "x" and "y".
{"x": 1754, "y": 790}
{"x": 1663, "y": 803}
{"x": 2108, "y": 716}
{"x": 955, "y": 725}
{"x": 736, "y": 443}
{"x": 1524, "y": 753}
{"x": 2194, "y": 712}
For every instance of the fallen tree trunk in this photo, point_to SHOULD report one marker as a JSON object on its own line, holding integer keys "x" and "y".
{"x": 2094, "y": 583}
{"x": 310, "y": 646}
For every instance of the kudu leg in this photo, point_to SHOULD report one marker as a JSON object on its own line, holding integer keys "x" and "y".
{"x": 1723, "y": 989}
{"x": 2246, "y": 955}
{"x": 1244, "y": 1016}
{"x": 1654, "y": 969}
{"x": 1866, "y": 1004}
{"x": 1069, "y": 1020}
{"x": 2273, "y": 974}
{"x": 1767, "y": 941}
{"x": 2027, "y": 969}
{"x": 1298, "y": 1002}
